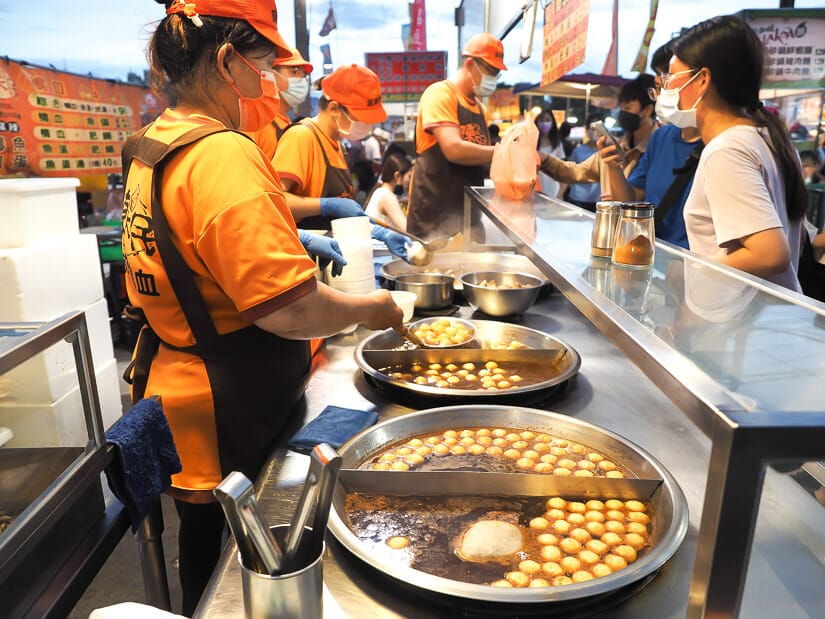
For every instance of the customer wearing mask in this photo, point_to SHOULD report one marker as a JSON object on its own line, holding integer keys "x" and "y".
{"x": 584, "y": 195}
{"x": 228, "y": 292}
{"x": 655, "y": 178}
{"x": 549, "y": 141}
{"x": 748, "y": 198}
{"x": 309, "y": 157}
{"x": 453, "y": 143}
{"x": 636, "y": 117}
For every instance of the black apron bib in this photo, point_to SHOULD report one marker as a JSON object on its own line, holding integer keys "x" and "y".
{"x": 437, "y": 191}
{"x": 256, "y": 377}
{"x": 337, "y": 184}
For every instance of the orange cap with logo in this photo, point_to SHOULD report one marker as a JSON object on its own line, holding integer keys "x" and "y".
{"x": 262, "y": 15}
{"x": 488, "y": 48}
{"x": 358, "y": 89}
{"x": 294, "y": 60}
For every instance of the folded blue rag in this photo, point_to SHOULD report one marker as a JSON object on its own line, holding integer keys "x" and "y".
{"x": 334, "y": 425}
{"x": 146, "y": 458}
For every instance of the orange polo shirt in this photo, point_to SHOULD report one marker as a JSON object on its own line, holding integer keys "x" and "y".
{"x": 299, "y": 158}
{"x": 439, "y": 107}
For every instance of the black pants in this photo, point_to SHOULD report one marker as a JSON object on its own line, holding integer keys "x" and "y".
{"x": 200, "y": 539}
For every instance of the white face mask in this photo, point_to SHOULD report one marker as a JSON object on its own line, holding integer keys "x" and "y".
{"x": 296, "y": 91}
{"x": 486, "y": 87}
{"x": 357, "y": 130}
{"x": 667, "y": 107}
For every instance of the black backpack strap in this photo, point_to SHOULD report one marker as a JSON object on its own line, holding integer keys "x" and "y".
{"x": 674, "y": 193}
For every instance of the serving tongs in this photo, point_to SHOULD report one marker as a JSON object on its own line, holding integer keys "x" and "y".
{"x": 258, "y": 547}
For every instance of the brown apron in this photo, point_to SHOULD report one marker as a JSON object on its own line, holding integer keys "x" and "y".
{"x": 256, "y": 377}
{"x": 437, "y": 188}
{"x": 337, "y": 184}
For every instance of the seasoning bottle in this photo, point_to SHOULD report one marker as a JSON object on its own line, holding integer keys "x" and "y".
{"x": 604, "y": 228}
{"x": 634, "y": 244}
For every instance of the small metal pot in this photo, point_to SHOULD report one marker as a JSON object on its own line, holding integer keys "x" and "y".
{"x": 432, "y": 291}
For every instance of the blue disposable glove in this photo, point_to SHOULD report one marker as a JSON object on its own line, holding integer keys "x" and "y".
{"x": 396, "y": 243}
{"x": 325, "y": 249}
{"x": 340, "y": 207}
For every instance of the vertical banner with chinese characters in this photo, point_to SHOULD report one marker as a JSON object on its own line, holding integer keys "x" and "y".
{"x": 795, "y": 45}
{"x": 54, "y": 123}
{"x": 418, "y": 26}
{"x": 565, "y": 37}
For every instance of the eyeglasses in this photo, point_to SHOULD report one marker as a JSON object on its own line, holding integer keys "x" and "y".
{"x": 290, "y": 71}
{"x": 486, "y": 68}
{"x": 664, "y": 78}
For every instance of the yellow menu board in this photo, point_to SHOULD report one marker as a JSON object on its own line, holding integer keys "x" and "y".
{"x": 565, "y": 37}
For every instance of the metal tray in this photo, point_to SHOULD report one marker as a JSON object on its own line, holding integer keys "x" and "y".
{"x": 460, "y": 263}
{"x": 566, "y": 362}
{"x": 668, "y": 502}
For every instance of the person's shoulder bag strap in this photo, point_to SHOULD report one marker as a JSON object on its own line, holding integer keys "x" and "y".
{"x": 674, "y": 193}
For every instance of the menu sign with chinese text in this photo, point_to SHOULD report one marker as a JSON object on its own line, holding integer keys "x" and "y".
{"x": 565, "y": 37}
{"x": 795, "y": 45}
{"x": 54, "y": 123}
{"x": 405, "y": 75}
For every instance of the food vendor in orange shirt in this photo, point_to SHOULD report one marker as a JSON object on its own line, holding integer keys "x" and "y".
{"x": 214, "y": 261}
{"x": 309, "y": 157}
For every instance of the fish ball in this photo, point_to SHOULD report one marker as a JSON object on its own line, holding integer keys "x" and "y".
{"x": 615, "y": 562}
{"x": 594, "y": 515}
{"x": 435, "y": 366}
{"x": 512, "y": 454}
{"x": 628, "y": 553}
{"x": 551, "y": 553}
{"x": 594, "y": 504}
{"x": 560, "y": 442}
{"x": 588, "y": 557}
{"x": 541, "y": 447}
{"x": 634, "y": 506}
{"x": 613, "y": 504}
{"x": 499, "y": 372}
{"x": 424, "y": 451}
{"x": 634, "y": 540}
{"x": 556, "y": 514}
{"x": 450, "y": 434}
{"x": 483, "y": 431}
{"x": 597, "y": 546}
{"x": 520, "y": 445}
{"x": 450, "y": 441}
{"x": 500, "y": 432}
{"x": 381, "y": 466}
{"x": 543, "y": 468}
{"x": 431, "y": 372}
{"x": 513, "y": 437}
{"x": 471, "y": 378}
{"x": 441, "y": 450}
{"x": 638, "y": 517}
{"x": 600, "y": 570}
{"x": 614, "y": 475}
{"x": 552, "y": 569}
{"x": 612, "y": 539}
{"x": 415, "y": 368}
{"x": 582, "y": 576}
{"x": 453, "y": 380}
{"x": 575, "y": 448}
{"x": 596, "y": 529}
{"x": 399, "y": 466}
{"x": 566, "y": 463}
{"x": 570, "y": 564}
{"x": 442, "y": 384}
{"x": 549, "y": 459}
{"x": 420, "y": 380}
{"x": 562, "y": 526}
{"x": 501, "y": 442}
{"x": 637, "y": 528}
{"x": 467, "y": 441}
{"x": 595, "y": 457}
{"x": 484, "y": 440}
{"x": 615, "y": 527}
{"x": 433, "y": 440}
{"x": 468, "y": 366}
{"x": 458, "y": 450}
{"x": 548, "y": 539}
{"x": 576, "y": 507}
{"x": 517, "y": 579}
{"x": 476, "y": 449}
{"x": 562, "y": 472}
{"x": 570, "y": 546}
{"x": 515, "y": 378}
{"x": 494, "y": 450}
{"x": 558, "y": 451}
{"x": 397, "y": 542}
{"x": 582, "y": 473}
{"x": 560, "y": 581}
{"x": 556, "y": 503}
{"x": 414, "y": 459}
{"x": 484, "y": 373}
{"x": 387, "y": 457}
{"x": 525, "y": 464}
{"x": 491, "y": 365}
{"x": 585, "y": 465}
{"x": 403, "y": 451}
{"x": 539, "y": 582}
{"x": 580, "y": 535}
{"x": 415, "y": 442}
{"x": 575, "y": 519}
{"x": 530, "y": 567}
{"x": 614, "y": 514}
{"x": 606, "y": 465}
{"x": 501, "y": 583}
{"x": 539, "y": 523}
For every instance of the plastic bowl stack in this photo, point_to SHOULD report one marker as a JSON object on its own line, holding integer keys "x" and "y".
{"x": 501, "y": 294}
{"x": 353, "y": 236}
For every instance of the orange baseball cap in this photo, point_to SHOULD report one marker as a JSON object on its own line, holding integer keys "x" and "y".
{"x": 358, "y": 89}
{"x": 262, "y": 15}
{"x": 294, "y": 60}
{"x": 488, "y": 48}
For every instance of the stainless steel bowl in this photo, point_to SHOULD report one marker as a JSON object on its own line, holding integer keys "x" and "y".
{"x": 432, "y": 291}
{"x": 505, "y": 298}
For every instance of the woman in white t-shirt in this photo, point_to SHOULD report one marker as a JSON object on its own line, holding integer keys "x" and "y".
{"x": 382, "y": 203}
{"x": 747, "y": 202}
{"x": 549, "y": 142}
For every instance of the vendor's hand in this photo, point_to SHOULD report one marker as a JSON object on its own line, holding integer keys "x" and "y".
{"x": 340, "y": 207}
{"x": 396, "y": 243}
{"x": 607, "y": 152}
{"x": 325, "y": 249}
{"x": 385, "y": 313}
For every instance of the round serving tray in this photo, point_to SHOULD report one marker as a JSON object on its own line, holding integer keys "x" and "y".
{"x": 668, "y": 502}
{"x": 489, "y": 334}
{"x": 459, "y": 263}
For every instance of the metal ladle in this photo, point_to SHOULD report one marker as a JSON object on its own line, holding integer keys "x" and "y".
{"x": 428, "y": 248}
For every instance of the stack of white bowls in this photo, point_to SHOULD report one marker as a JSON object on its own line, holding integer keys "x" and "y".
{"x": 358, "y": 276}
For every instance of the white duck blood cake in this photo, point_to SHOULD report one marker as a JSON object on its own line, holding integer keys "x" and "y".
{"x": 496, "y": 449}
{"x": 490, "y": 540}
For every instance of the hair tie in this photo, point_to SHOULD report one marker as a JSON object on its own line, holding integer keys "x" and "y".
{"x": 188, "y": 9}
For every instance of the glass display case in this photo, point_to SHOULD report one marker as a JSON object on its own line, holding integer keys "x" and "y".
{"x": 742, "y": 358}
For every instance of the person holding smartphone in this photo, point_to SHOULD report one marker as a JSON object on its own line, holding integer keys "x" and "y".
{"x": 636, "y": 117}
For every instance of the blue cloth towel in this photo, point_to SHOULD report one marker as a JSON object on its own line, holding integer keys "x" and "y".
{"x": 146, "y": 458}
{"x": 334, "y": 425}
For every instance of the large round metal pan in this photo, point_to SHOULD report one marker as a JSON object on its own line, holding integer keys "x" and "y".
{"x": 459, "y": 263}
{"x": 489, "y": 334}
{"x": 668, "y": 502}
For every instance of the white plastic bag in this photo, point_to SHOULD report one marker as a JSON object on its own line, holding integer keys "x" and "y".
{"x": 515, "y": 160}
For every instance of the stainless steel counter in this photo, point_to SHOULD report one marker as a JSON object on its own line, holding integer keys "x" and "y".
{"x": 786, "y": 568}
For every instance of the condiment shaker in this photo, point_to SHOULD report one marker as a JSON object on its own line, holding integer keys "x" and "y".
{"x": 634, "y": 243}
{"x": 604, "y": 228}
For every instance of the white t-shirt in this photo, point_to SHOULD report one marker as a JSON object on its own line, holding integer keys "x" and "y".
{"x": 549, "y": 185}
{"x": 383, "y": 204}
{"x": 737, "y": 191}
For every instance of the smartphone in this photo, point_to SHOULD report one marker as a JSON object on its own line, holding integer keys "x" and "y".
{"x": 599, "y": 129}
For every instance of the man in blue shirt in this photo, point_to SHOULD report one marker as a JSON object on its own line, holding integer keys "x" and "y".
{"x": 584, "y": 195}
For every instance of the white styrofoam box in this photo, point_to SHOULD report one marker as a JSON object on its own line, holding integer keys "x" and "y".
{"x": 48, "y": 376}
{"x": 34, "y": 209}
{"x": 61, "y": 423}
{"x": 43, "y": 281}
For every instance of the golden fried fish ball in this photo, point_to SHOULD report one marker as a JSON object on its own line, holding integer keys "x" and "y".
{"x": 466, "y": 433}
{"x": 517, "y": 579}
{"x": 530, "y": 453}
{"x": 570, "y": 564}
{"x": 501, "y": 583}
{"x": 552, "y": 554}
{"x": 614, "y": 514}
{"x": 501, "y": 442}
{"x": 561, "y": 472}
{"x": 484, "y": 440}
{"x": 541, "y": 447}
{"x": 515, "y": 378}
{"x": 442, "y": 384}
{"x": 561, "y": 526}
{"x": 596, "y": 529}
{"x": 458, "y": 450}
{"x": 453, "y": 380}
{"x": 614, "y": 562}
{"x": 494, "y": 450}
{"x": 512, "y": 437}
{"x": 560, "y": 581}
{"x": 462, "y": 373}
{"x": 634, "y": 506}
{"x": 538, "y": 582}
{"x": 433, "y": 440}
{"x": 594, "y": 504}
{"x": 424, "y": 451}
{"x": 467, "y": 441}
{"x": 614, "y": 475}
{"x": 582, "y": 576}
{"x": 499, "y": 372}
{"x": 450, "y": 434}
{"x": 595, "y": 457}
{"x": 556, "y": 503}
{"x": 397, "y": 542}
{"x": 575, "y": 448}
{"x": 415, "y": 442}
{"x": 585, "y": 465}
{"x": 588, "y": 557}
{"x": 491, "y": 365}
{"x": 387, "y": 457}
{"x": 575, "y": 519}
{"x": 560, "y": 442}
{"x": 600, "y": 570}
{"x": 566, "y": 463}
{"x": 637, "y": 528}
{"x": 628, "y": 553}
{"x": 552, "y": 569}
{"x": 476, "y": 449}
{"x": 594, "y": 515}
{"x": 529, "y": 567}
{"x": 547, "y": 539}
{"x": 512, "y": 454}
{"x": 528, "y": 435}
{"x": 597, "y": 546}
{"x": 399, "y": 466}
{"x": 471, "y": 378}
{"x": 414, "y": 459}
{"x": 500, "y": 432}
{"x": 558, "y": 451}
{"x": 613, "y": 504}
{"x": 525, "y": 464}
{"x": 582, "y": 473}
{"x": 612, "y": 539}
{"x": 484, "y": 373}
{"x": 403, "y": 451}
{"x": 549, "y": 459}
{"x": 606, "y": 465}
{"x": 614, "y": 526}
{"x": 543, "y": 468}
{"x": 556, "y": 514}
{"x": 638, "y": 517}
{"x": 431, "y": 372}
{"x": 450, "y": 441}
{"x": 446, "y": 375}
{"x": 570, "y": 546}
{"x": 415, "y": 368}
{"x": 468, "y": 366}
{"x": 434, "y": 366}
{"x": 381, "y": 466}
{"x": 634, "y": 540}
{"x": 580, "y": 535}
{"x": 519, "y": 444}
{"x": 576, "y": 507}
{"x": 452, "y": 367}
{"x": 539, "y": 523}
{"x": 544, "y": 438}
{"x": 441, "y": 450}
